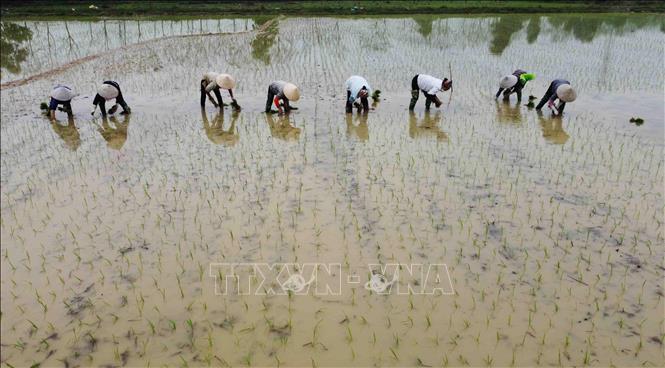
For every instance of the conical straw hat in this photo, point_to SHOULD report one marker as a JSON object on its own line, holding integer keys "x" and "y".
{"x": 291, "y": 92}
{"x": 107, "y": 91}
{"x": 225, "y": 81}
{"x": 62, "y": 93}
{"x": 566, "y": 93}
{"x": 508, "y": 81}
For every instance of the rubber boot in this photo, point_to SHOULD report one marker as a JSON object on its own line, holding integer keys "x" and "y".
{"x": 428, "y": 103}
{"x": 414, "y": 98}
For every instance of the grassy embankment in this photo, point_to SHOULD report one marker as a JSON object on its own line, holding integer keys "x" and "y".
{"x": 78, "y": 9}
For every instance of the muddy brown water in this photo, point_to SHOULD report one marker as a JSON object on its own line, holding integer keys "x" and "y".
{"x": 551, "y": 228}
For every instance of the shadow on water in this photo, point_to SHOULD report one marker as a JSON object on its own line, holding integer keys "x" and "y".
{"x": 12, "y": 53}
{"x": 216, "y": 132}
{"x": 115, "y": 134}
{"x": 582, "y": 27}
{"x": 553, "y": 129}
{"x": 426, "y": 127}
{"x": 68, "y": 133}
{"x": 264, "y": 40}
{"x": 359, "y": 130}
{"x": 281, "y": 127}
{"x": 508, "y": 113}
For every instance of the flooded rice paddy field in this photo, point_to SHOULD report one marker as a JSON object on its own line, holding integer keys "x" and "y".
{"x": 49, "y": 44}
{"x": 551, "y": 228}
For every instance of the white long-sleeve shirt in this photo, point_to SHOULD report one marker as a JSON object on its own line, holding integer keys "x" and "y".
{"x": 354, "y": 84}
{"x": 211, "y": 80}
{"x": 429, "y": 84}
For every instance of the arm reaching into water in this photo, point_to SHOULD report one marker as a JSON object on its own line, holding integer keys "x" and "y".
{"x": 549, "y": 95}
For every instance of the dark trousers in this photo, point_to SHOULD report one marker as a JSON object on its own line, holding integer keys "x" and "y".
{"x": 269, "y": 101}
{"x": 508, "y": 91}
{"x": 53, "y": 105}
{"x": 551, "y": 92}
{"x": 349, "y": 106}
{"x": 220, "y": 102}
{"x": 415, "y": 93}
{"x": 101, "y": 101}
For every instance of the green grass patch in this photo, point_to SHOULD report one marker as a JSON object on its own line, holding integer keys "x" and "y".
{"x": 76, "y": 9}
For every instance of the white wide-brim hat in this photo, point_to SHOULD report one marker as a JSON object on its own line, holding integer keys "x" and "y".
{"x": 566, "y": 93}
{"x": 62, "y": 93}
{"x": 291, "y": 92}
{"x": 107, "y": 91}
{"x": 225, "y": 81}
{"x": 508, "y": 81}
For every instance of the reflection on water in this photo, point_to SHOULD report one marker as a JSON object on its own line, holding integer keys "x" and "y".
{"x": 216, "y": 132}
{"x": 264, "y": 40}
{"x": 507, "y": 112}
{"x": 114, "y": 131}
{"x": 281, "y": 127}
{"x": 12, "y": 50}
{"x": 425, "y": 24}
{"x": 55, "y": 43}
{"x": 586, "y": 27}
{"x": 503, "y": 30}
{"x": 426, "y": 127}
{"x": 552, "y": 129}
{"x": 540, "y": 239}
{"x": 68, "y": 133}
{"x": 583, "y": 27}
{"x": 359, "y": 128}
{"x": 533, "y": 29}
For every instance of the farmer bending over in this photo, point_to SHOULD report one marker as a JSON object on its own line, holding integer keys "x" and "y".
{"x": 559, "y": 89}
{"x": 107, "y": 91}
{"x": 429, "y": 86}
{"x": 60, "y": 95}
{"x": 212, "y": 82}
{"x": 357, "y": 92}
{"x": 514, "y": 83}
{"x": 280, "y": 93}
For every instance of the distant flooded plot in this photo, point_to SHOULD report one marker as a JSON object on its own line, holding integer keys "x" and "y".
{"x": 115, "y": 231}
{"x": 31, "y": 47}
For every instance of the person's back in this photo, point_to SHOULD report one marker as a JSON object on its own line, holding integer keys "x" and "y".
{"x": 210, "y": 79}
{"x": 514, "y": 83}
{"x": 429, "y": 84}
{"x": 559, "y": 89}
{"x": 277, "y": 88}
{"x": 60, "y": 95}
{"x": 107, "y": 91}
{"x": 281, "y": 93}
{"x": 559, "y": 82}
{"x": 357, "y": 87}
{"x": 355, "y": 83}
